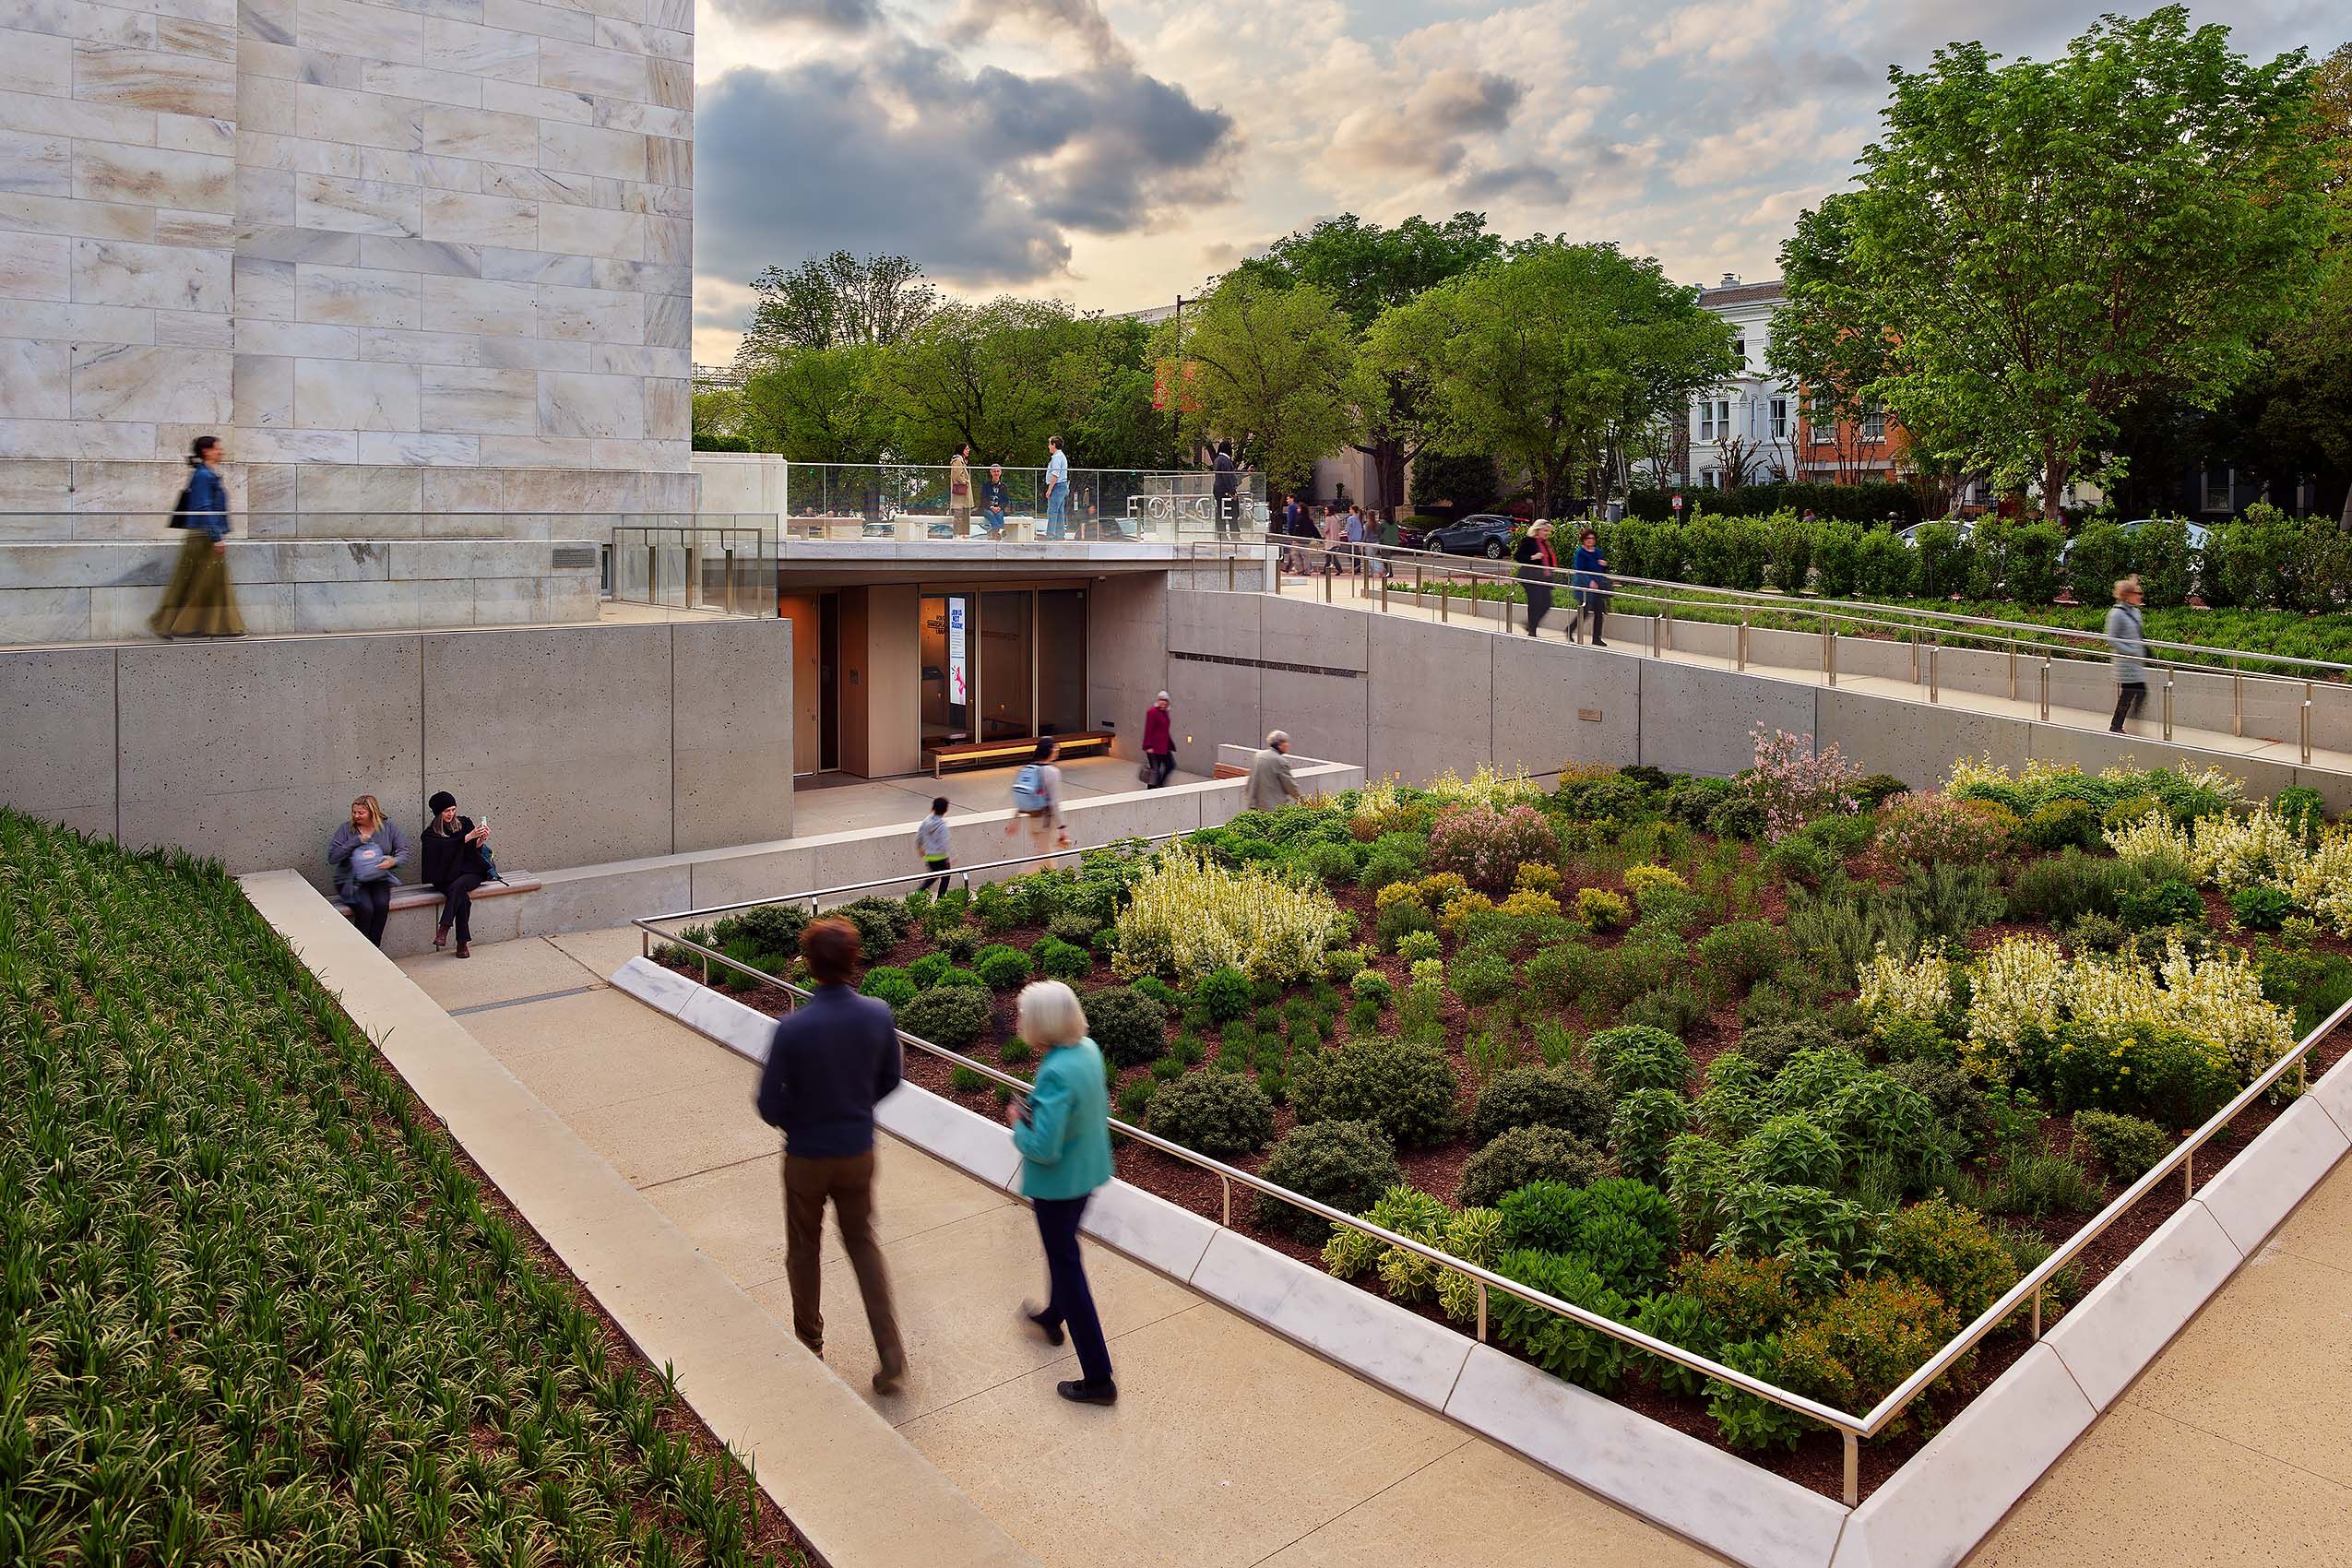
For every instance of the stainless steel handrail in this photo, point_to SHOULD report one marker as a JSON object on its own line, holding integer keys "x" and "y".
{"x": 2087, "y": 646}
{"x": 2026, "y": 1293}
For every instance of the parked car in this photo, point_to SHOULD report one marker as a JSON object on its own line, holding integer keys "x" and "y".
{"x": 2198, "y": 534}
{"x": 1481, "y": 533}
{"x": 1965, "y": 527}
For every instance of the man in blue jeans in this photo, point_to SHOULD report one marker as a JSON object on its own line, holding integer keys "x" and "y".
{"x": 1057, "y": 487}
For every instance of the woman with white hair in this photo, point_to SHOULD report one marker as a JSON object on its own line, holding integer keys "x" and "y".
{"x": 1063, "y": 1129}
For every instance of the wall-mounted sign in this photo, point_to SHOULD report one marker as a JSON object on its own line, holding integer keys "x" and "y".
{"x": 960, "y": 689}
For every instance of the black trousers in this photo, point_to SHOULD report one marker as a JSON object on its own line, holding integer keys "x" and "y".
{"x": 938, "y": 885}
{"x": 371, "y": 902}
{"x": 1162, "y": 764}
{"x": 1072, "y": 1304}
{"x": 2130, "y": 697}
{"x": 1596, "y": 609}
{"x": 457, "y": 904}
{"x": 1538, "y": 606}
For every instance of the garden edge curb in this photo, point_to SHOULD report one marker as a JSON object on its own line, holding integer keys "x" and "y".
{"x": 1930, "y": 1513}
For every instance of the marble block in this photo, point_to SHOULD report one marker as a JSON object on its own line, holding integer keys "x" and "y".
{"x": 1749, "y": 1515}
{"x": 1149, "y": 1228}
{"x": 971, "y": 1142}
{"x": 2109, "y": 1338}
{"x": 341, "y": 395}
{"x": 118, "y": 382}
{"x": 2333, "y": 1094}
{"x": 1932, "y": 1512}
{"x": 2272, "y": 1174}
{"x": 663, "y": 990}
{"x": 1371, "y": 1336}
{"x": 743, "y": 1030}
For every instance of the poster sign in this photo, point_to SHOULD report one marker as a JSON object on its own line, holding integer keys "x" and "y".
{"x": 958, "y": 677}
{"x": 1678, "y": 502}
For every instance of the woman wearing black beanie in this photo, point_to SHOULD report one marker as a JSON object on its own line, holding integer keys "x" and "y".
{"x": 457, "y": 861}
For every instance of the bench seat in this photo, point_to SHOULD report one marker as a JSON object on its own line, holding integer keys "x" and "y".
{"x": 1010, "y": 754}
{"x": 416, "y": 910}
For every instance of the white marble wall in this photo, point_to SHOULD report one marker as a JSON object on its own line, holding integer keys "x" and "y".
{"x": 440, "y": 233}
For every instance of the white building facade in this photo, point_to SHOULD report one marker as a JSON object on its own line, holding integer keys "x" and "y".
{"x": 1743, "y": 432}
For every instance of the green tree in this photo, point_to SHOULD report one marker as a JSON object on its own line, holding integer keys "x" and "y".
{"x": 1002, "y": 375}
{"x": 818, "y": 405}
{"x": 1558, "y": 357}
{"x": 1826, "y": 339}
{"x": 1366, "y": 269}
{"x": 1274, "y": 372}
{"x": 2040, "y": 244}
{"x": 1116, "y": 426}
{"x": 834, "y": 302}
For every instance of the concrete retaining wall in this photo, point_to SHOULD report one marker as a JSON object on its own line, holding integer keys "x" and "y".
{"x": 104, "y": 592}
{"x": 1413, "y": 698}
{"x": 582, "y": 744}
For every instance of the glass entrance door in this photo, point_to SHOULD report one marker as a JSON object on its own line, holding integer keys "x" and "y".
{"x": 947, "y": 647}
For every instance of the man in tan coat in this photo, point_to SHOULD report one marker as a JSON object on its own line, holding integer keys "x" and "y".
{"x": 1271, "y": 786}
{"x": 959, "y": 490}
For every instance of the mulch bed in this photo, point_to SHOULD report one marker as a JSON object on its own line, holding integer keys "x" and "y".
{"x": 1818, "y": 1460}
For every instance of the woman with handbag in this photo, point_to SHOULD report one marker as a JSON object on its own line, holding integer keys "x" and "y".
{"x": 199, "y": 603}
{"x": 457, "y": 861}
{"x": 960, "y": 491}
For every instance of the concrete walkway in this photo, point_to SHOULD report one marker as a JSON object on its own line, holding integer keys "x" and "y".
{"x": 1362, "y": 595}
{"x": 2234, "y": 1449}
{"x": 1230, "y": 1446}
{"x": 841, "y": 802}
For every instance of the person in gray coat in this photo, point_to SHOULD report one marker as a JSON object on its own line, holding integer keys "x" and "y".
{"x": 2129, "y": 644}
{"x": 1271, "y": 785}
{"x": 364, "y": 857}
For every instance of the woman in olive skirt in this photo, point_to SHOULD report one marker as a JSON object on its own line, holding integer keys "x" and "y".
{"x": 200, "y": 603}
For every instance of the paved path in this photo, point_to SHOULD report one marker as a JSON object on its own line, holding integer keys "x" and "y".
{"x": 823, "y": 805}
{"x": 1347, "y": 594}
{"x": 1230, "y": 1446}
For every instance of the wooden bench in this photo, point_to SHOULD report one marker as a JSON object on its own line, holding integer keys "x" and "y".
{"x": 416, "y": 910}
{"x": 1007, "y": 754}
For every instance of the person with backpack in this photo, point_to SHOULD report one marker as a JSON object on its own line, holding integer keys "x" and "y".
{"x": 1037, "y": 801}
{"x": 199, "y": 602}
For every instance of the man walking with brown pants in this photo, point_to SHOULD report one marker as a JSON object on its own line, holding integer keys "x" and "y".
{"x": 832, "y": 1057}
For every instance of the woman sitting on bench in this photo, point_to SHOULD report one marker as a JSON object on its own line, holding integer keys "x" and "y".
{"x": 454, "y": 864}
{"x": 364, "y": 855}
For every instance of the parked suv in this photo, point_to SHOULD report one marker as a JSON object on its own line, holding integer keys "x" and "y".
{"x": 1481, "y": 533}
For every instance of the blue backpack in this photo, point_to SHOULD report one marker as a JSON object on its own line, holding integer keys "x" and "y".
{"x": 1028, "y": 789}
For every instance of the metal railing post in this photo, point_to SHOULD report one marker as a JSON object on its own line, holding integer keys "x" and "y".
{"x": 2167, "y": 702}
{"x": 2189, "y": 1176}
{"x": 1853, "y": 1470}
{"x": 1935, "y": 685}
{"x": 1915, "y": 655}
{"x": 729, "y": 560}
{"x": 2305, "y": 726}
{"x": 1481, "y": 1284}
{"x": 2012, "y": 670}
{"x": 2045, "y": 702}
{"x": 652, "y": 572}
{"x": 2038, "y": 1311}
{"x": 1229, "y": 574}
{"x": 2237, "y": 703}
{"x": 1384, "y": 593}
{"x": 1444, "y": 604}
{"x": 1833, "y": 656}
{"x": 1665, "y": 625}
{"x": 1743, "y": 642}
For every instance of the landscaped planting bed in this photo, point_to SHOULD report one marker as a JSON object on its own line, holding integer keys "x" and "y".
{"x": 1800, "y": 1071}
{"x": 256, "y": 1306}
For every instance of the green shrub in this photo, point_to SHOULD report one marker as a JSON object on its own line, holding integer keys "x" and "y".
{"x": 1342, "y": 965}
{"x": 951, "y": 1017}
{"x": 1800, "y": 858}
{"x": 1744, "y": 1298}
{"x": 1678, "y": 1320}
{"x": 2170, "y": 902}
{"x": 1217, "y": 1113}
{"x": 1347, "y": 1165}
{"x": 1742, "y": 1421}
{"x": 2260, "y": 907}
{"x": 772, "y": 928}
{"x": 925, "y": 971}
{"x": 1564, "y": 973}
{"x": 1416, "y": 946}
{"x": 1015, "y": 1051}
{"x": 1949, "y": 1250}
{"x": 1483, "y": 978}
{"x": 1562, "y": 1096}
{"x": 2127, "y": 1146}
{"x": 1158, "y": 990}
{"x": 1000, "y": 967}
{"x": 2302, "y": 808}
{"x": 1878, "y": 1116}
{"x": 1222, "y": 996}
{"x": 1558, "y": 1344}
{"x": 1769, "y": 1047}
{"x": 1370, "y": 985}
{"x": 966, "y": 978}
{"x": 960, "y": 944}
{"x": 1643, "y": 1123}
{"x": 1700, "y": 1176}
{"x": 1811, "y": 1079}
{"x": 966, "y": 1080}
{"x": 1134, "y": 1098}
{"x": 1690, "y": 801}
{"x": 1129, "y": 1025}
{"x": 1512, "y": 1160}
{"x": 882, "y": 923}
{"x": 2061, "y": 825}
{"x": 895, "y": 986}
{"x": 1334, "y": 863}
{"x": 1394, "y": 857}
{"x": 1851, "y": 1350}
{"x": 1953, "y": 1098}
{"x": 1672, "y": 1009}
{"x": 1407, "y": 1090}
{"x": 1639, "y": 1057}
{"x": 1789, "y": 1151}
{"x": 1767, "y": 1219}
{"x": 2035, "y": 1184}
{"x": 1737, "y": 815}
{"x": 1542, "y": 1216}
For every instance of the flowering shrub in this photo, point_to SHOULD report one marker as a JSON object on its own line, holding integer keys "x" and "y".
{"x": 1187, "y": 918}
{"x": 1793, "y": 784}
{"x": 1529, "y": 904}
{"x": 1601, "y": 910}
{"x": 1936, "y": 827}
{"x": 1642, "y": 879}
{"x": 1486, "y": 847}
{"x": 1911, "y": 988}
{"x": 1485, "y": 787}
{"x": 2323, "y": 883}
{"x": 1538, "y": 876}
{"x": 2235, "y": 851}
{"x": 2150, "y": 837}
{"x": 1460, "y": 908}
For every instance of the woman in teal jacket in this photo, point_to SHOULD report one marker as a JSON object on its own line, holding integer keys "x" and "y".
{"x": 1063, "y": 1129}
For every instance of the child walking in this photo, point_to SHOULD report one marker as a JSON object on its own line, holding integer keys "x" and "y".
{"x": 930, "y": 843}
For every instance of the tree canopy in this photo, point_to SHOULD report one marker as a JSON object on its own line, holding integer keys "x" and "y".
{"x": 2035, "y": 245}
{"x": 1274, "y": 373}
{"x": 1557, "y": 358}
{"x": 833, "y": 302}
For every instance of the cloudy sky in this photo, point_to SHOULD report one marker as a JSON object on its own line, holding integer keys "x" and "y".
{"x": 1114, "y": 153}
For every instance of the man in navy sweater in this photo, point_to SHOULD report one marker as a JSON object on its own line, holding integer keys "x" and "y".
{"x": 833, "y": 1056}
